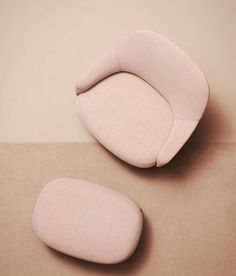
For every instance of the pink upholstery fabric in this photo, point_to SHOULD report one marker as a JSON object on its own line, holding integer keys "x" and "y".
{"x": 87, "y": 221}
{"x": 127, "y": 115}
{"x": 167, "y": 70}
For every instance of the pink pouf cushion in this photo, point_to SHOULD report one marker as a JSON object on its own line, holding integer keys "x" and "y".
{"x": 143, "y": 99}
{"x": 87, "y": 221}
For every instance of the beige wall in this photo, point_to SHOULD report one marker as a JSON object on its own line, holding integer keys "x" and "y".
{"x": 46, "y": 45}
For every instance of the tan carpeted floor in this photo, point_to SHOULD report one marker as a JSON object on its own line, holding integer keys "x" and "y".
{"x": 189, "y": 207}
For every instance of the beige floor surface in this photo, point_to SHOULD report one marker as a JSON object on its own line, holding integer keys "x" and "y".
{"x": 189, "y": 207}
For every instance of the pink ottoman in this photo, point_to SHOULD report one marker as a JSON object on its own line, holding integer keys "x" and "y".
{"x": 87, "y": 221}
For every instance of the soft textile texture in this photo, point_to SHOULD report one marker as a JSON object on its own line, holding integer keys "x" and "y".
{"x": 127, "y": 115}
{"x": 169, "y": 72}
{"x": 87, "y": 221}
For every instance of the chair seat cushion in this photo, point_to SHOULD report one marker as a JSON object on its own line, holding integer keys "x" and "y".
{"x": 128, "y": 116}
